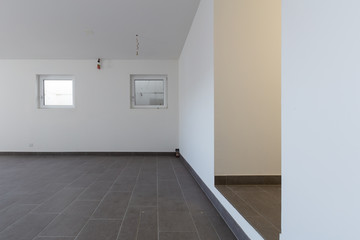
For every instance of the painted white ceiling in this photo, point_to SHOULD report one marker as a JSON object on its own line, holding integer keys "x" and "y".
{"x": 85, "y": 29}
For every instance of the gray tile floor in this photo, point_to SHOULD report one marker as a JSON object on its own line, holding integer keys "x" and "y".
{"x": 103, "y": 198}
{"x": 260, "y": 205}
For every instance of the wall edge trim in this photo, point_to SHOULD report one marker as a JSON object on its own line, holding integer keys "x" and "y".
{"x": 229, "y": 220}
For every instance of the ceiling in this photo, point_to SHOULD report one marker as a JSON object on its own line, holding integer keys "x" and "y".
{"x": 86, "y": 29}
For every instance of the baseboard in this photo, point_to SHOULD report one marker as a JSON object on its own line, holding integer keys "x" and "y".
{"x": 229, "y": 220}
{"x": 248, "y": 180}
{"x": 89, "y": 153}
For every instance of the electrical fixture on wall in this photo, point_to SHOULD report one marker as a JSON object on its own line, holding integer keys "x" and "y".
{"x": 137, "y": 45}
{"x": 99, "y": 63}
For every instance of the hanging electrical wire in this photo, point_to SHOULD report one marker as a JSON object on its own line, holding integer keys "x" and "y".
{"x": 137, "y": 45}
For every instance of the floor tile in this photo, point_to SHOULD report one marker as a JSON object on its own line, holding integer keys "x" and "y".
{"x": 171, "y": 221}
{"x": 54, "y": 238}
{"x": 13, "y": 213}
{"x": 204, "y": 226}
{"x": 113, "y": 206}
{"x": 144, "y": 195}
{"x": 59, "y": 201}
{"x": 124, "y": 183}
{"x": 139, "y": 222}
{"x": 84, "y": 181}
{"x": 96, "y": 191}
{"x": 260, "y": 205}
{"x": 65, "y": 225}
{"x": 28, "y": 227}
{"x": 178, "y": 236}
{"x": 140, "y": 197}
{"x": 82, "y": 208}
{"x": 100, "y": 229}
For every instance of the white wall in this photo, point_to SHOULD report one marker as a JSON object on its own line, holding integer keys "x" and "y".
{"x": 102, "y": 119}
{"x": 248, "y": 87}
{"x": 196, "y": 104}
{"x": 321, "y": 119}
{"x": 196, "y": 94}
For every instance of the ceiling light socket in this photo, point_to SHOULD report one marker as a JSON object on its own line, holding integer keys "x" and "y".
{"x": 99, "y": 63}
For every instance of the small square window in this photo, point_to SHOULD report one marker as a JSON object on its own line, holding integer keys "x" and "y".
{"x": 148, "y": 91}
{"x": 56, "y": 91}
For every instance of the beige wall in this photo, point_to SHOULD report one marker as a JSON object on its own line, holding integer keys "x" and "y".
{"x": 247, "y": 87}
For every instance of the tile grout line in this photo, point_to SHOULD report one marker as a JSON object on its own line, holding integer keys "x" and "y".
{"x": 253, "y": 208}
{"x": 75, "y": 199}
{"x": 186, "y": 202}
{"x": 127, "y": 208}
{"x": 31, "y": 212}
{"x": 107, "y": 192}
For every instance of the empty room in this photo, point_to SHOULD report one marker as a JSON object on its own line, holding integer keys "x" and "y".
{"x": 179, "y": 119}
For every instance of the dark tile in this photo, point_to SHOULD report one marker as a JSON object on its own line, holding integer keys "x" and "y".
{"x": 82, "y": 208}
{"x": 13, "y": 213}
{"x": 27, "y": 227}
{"x": 6, "y": 202}
{"x": 220, "y": 180}
{"x": 259, "y": 204}
{"x": 147, "y": 177}
{"x": 170, "y": 197}
{"x": 130, "y": 224}
{"x": 197, "y": 201}
{"x": 59, "y": 201}
{"x": 169, "y": 190}
{"x": 139, "y": 223}
{"x": 42, "y": 194}
{"x": 240, "y": 189}
{"x": 65, "y": 225}
{"x": 148, "y": 229}
{"x": 264, "y": 227}
{"x": 54, "y": 238}
{"x": 84, "y": 181}
{"x": 120, "y": 162}
{"x": 144, "y": 195}
{"x": 172, "y": 205}
{"x": 147, "y": 192}
{"x": 170, "y": 221}
{"x": 263, "y": 203}
{"x": 244, "y": 208}
{"x": 5, "y": 189}
{"x": 110, "y": 174}
{"x": 100, "y": 229}
{"x": 188, "y": 183}
{"x": 273, "y": 190}
{"x": 96, "y": 191}
{"x": 178, "y": 236}
{"x": 221, "y": 228}
{"x": 269, "y": 234}
{"x": 204, "y": 226}
{"x": 124, "y": 183}
{"x": 165, "y": 170}
{"x": 69, "y": 177}
{"x": 113, "y": 206}
{"x": 253, "y": 180}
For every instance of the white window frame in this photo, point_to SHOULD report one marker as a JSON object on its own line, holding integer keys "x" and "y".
{"x": 42, "y": 78}
{"x": 150, "y": 77}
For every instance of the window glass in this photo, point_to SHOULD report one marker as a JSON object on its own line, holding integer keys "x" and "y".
{"x": 149, "y": 92}
{"x": 58, "y": 92}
